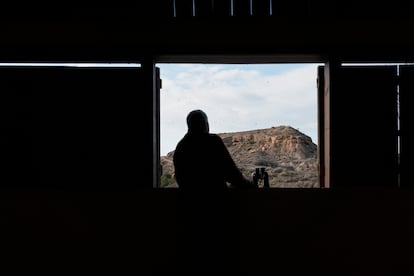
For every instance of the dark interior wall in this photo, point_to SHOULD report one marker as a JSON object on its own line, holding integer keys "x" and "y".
{"x": 121, "y": 32}
{"x": 283, "y": 231}
{"x": 335, "y": 231}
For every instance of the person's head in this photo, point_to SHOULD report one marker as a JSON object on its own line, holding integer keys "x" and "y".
{"x": 197, "y": 122}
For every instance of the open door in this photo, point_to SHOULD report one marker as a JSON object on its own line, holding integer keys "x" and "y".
{"x": 406, "y": 94}
{"x": 359, "y": 125}
{"x": 93, "y": 127}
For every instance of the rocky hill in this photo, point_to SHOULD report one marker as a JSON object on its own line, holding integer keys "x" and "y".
{"x": 288, "y": 156}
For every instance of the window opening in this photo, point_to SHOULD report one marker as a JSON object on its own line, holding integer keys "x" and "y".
{"x": 266, "y": 115}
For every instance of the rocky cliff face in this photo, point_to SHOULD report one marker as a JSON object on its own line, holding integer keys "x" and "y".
{"x": 288, "y": 156}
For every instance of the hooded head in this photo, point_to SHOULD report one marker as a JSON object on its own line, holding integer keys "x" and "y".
{"x": 197, "y": 122}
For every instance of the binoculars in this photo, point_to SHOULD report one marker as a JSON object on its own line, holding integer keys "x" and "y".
{"x": 260, "y": 175}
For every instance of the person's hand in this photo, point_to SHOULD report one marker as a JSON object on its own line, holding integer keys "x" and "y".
{"x": 249, "y": 184}
{"x": 253, "y": 184}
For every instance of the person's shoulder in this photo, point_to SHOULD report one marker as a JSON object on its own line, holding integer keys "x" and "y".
{"x": 216, "y": 140}
{"x": 214, "y": 136}
{"x": 181, "y": 143}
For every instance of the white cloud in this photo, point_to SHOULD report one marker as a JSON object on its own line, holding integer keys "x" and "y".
{"x": 237, "y": 98}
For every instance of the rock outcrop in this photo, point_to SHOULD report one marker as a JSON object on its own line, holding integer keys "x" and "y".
{"x": 288, "y": 155}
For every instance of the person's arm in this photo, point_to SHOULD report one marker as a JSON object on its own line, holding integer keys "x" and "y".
{"x": 233, "y": 175}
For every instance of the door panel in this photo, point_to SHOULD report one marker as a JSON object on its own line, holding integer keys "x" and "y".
{"x": 363, "y": 127}
{"x": 407, "y": 125}
{"x": 76, "y": 127}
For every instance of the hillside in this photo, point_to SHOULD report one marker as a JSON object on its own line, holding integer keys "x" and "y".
{"x": 289, "y": 156}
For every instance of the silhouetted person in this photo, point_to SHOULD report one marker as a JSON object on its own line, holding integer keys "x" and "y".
{"x": 201, "y": 159}
{"x": 208, "y": 232}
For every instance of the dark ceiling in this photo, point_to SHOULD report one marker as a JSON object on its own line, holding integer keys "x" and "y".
{"x": 187, "y": 30}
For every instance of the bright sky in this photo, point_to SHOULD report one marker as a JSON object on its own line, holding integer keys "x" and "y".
{"x": 238, "y": 98}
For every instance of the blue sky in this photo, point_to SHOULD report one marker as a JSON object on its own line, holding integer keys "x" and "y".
{"x": 238, "y": 97}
